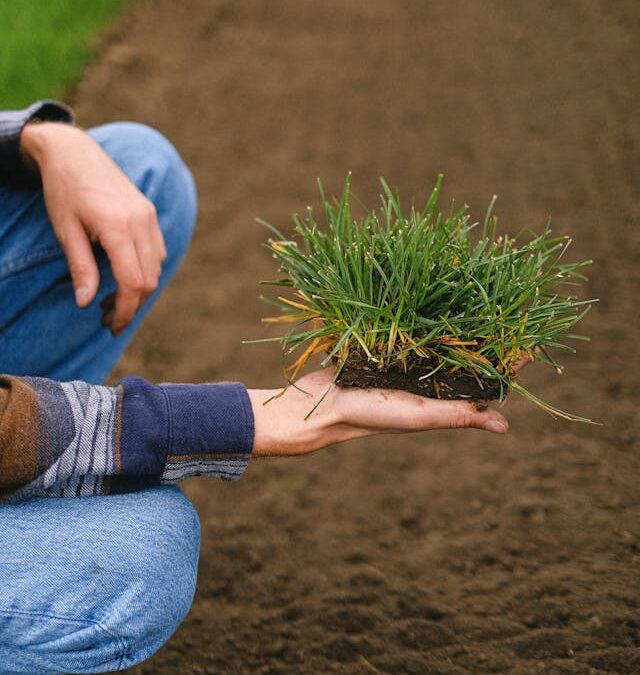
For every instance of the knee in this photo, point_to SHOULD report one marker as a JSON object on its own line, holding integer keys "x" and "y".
{"x": 116, "y": 602}
{"x": 160, "y": 572}
{"x": 154, "y": 165}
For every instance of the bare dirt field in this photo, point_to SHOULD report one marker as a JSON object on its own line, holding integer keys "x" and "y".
{"x": 447, "y": 552}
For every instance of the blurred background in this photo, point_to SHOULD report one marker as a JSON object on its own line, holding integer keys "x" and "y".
{"x": 44, "y": 46}
{"x": 447, "y": 552}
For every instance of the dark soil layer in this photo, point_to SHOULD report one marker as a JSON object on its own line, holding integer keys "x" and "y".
{"x": 450, "y": 552}
{"x": 358, "y": 372}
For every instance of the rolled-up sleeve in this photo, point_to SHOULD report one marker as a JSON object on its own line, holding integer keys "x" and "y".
{"x": 71, "y": 439}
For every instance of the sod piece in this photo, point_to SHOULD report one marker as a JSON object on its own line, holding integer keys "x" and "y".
{"x": 424, "y": 301}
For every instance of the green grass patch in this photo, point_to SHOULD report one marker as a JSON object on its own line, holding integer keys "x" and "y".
{"x": 401, "y": 286}
{"x": 45, "y": 44}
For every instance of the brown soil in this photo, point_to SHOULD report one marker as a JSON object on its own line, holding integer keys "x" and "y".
{"x": 450, "y": 552}
{"x": 359, "y": 372}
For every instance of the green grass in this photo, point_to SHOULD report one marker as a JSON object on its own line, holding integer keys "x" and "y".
{"x": 44, "y": 45}
{"x": 404, "y": 285}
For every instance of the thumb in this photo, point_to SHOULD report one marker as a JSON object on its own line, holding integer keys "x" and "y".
{"x": 82, "y": 263}
{"x": 468, "y": 415}
{"x": 489, "y": 420}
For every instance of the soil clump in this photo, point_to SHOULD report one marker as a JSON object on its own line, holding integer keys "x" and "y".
{"x": 415, "y": 377}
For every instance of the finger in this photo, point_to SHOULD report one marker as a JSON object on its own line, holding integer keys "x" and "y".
{"x": 128, "y": 275}
{"x": 149, "y": 219}
{"x": 428, "y": 413}
{"x": 449, "y": 415}
{"x": 465, "y": 415}
{"x": 149, "y": 256}
{"x": 392, "y": 410}
{"x": 158, "y": 239}
{"x": 82, "y": 263}
{"x": 494, "y": 423}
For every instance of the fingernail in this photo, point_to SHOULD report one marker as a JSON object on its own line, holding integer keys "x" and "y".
{"x": 82, "y": 296}
{"x": 495, "y": 426}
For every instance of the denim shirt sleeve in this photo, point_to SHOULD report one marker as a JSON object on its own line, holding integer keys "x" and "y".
{"x": 12, "y": 169}
{"x": 71, "y": 439}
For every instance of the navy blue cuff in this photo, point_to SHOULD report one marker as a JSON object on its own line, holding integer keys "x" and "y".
{"x": 172, "y": 431}
{"x": 209, "y": 419}
{"x": 143, "y": 437}
{"x": 12, "y": 122}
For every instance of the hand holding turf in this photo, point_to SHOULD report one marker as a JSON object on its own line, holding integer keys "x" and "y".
{"x": 283, "y": 425}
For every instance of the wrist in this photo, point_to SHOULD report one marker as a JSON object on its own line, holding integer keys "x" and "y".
{"x": 283, "y": 426}
{"x": 36, "y": 138}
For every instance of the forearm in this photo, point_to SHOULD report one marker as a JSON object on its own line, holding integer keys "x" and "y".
{"x": 73, "y": 439}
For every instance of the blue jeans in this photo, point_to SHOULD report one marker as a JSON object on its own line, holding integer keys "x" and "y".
{"x": 91, "y": 584}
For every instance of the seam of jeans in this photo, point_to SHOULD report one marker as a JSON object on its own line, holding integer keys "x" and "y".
{"x": 124, "y": 648}
{"x": 23, "y": 262}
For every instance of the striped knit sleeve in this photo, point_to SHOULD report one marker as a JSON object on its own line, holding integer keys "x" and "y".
{"x": 75, "y": 439}
{"x": 12, "y": 169}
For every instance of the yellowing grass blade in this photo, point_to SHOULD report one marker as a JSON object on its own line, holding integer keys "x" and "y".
{"x": 299, "y": 305}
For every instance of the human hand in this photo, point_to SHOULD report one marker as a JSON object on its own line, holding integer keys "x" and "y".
{"x": 90, "y": 200}
{"x": 345, "y": 413}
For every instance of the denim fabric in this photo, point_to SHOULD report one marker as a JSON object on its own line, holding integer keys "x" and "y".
{"x": 42, "y": 331}
{"x": 96, "y": 583}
